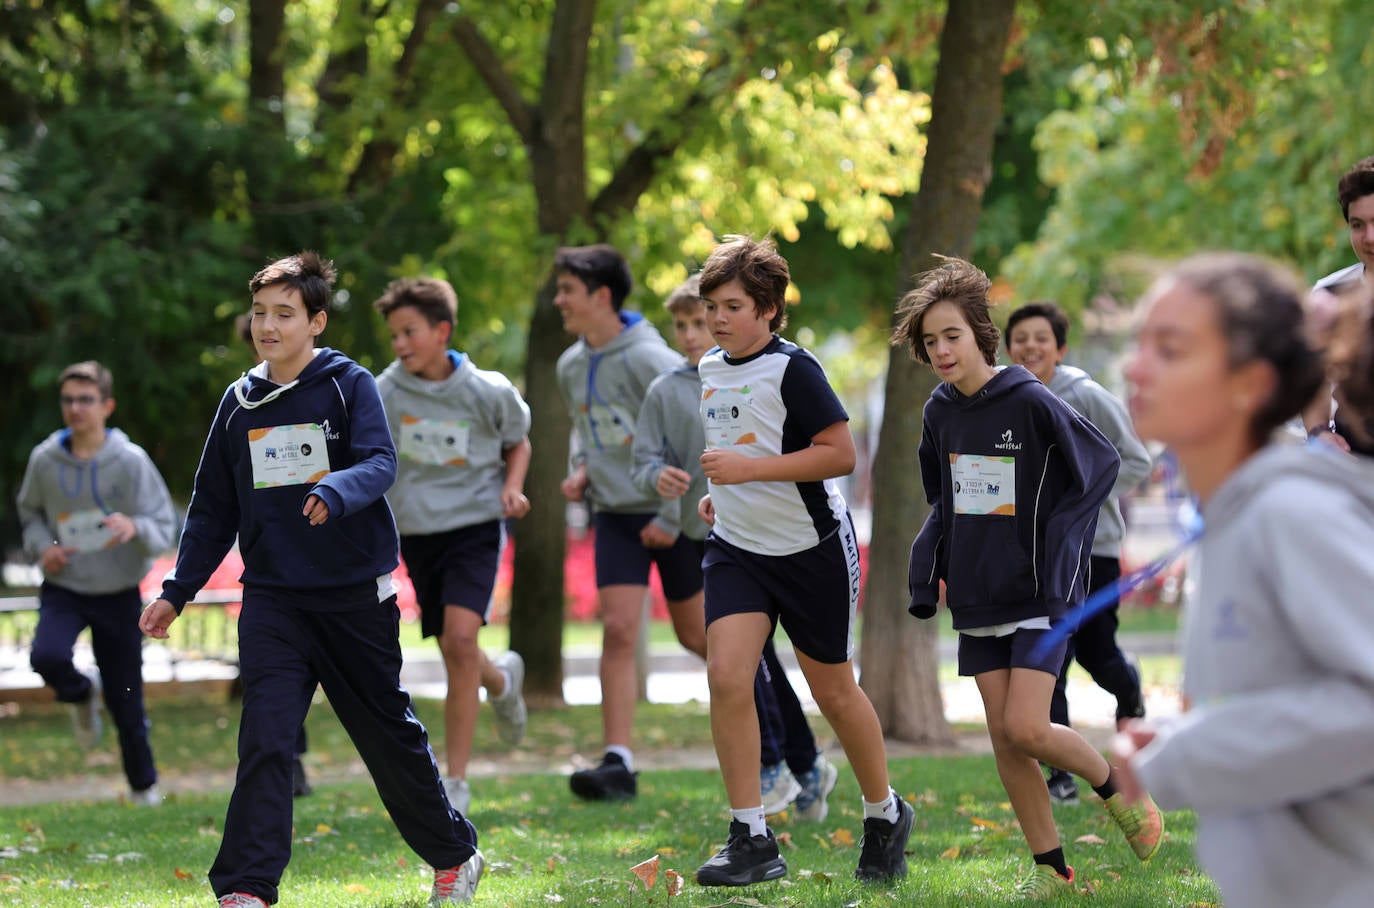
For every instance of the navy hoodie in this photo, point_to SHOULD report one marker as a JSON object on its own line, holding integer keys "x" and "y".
{"x": 350, "y": 552}
{"x": 1015, "y": 478}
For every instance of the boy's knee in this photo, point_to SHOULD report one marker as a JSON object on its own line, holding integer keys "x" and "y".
{"x": 1026, "y": 734}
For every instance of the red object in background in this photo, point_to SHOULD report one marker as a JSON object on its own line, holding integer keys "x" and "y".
{"x": 579, "y": 582}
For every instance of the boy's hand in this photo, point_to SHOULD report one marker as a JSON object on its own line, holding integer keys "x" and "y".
{"x": 121, "y": 526}
{"x": 157, "y": 616}
{"x": 725, "y": 467}
{"x": 655, "y": 537}
{"x": 514, "y": 503}
{"x": 706, "y": 511}
{"x": 673, "y": 482}
{"x": 575, "y": 486}
{"x": 1125, "y": 745}
{"x": 315, "y": 510}
{"x": 54, "y": 558}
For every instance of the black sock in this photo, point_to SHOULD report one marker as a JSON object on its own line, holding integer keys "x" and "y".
{"x": 1054, "y": 859}
{"x": 1107, "y": 788}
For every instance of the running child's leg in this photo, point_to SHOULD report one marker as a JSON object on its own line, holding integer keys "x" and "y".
{"x": 463, "y": 663}
{"x": 679, "y": 571}
{"x": 117, "y": 644}
{"x": 1018, "y": 770}
{"x": 850, "y": 713}
{"x": 622, "y": 613}
{"x": 733, "y": 645}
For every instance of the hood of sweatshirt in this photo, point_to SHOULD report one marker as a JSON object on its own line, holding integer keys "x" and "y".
{"x": 254, "y": 388}
{"x": 400, "y": 377}
{"x": 1353, "y": 476}
{"x": 1001, "y": 384}
{"x": 1065, "y": 377}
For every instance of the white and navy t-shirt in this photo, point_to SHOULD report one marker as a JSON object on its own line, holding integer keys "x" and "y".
{"x": 773, "y": 402}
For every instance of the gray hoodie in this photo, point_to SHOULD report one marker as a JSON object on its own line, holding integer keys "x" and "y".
{"x": 450, "y": 436}
{"x": 1101, "y": 408}
{"x": 604, "y": 390}
{"x": 669, "y": 434}
{"x": 1276, "y": 754}
{"x": 63, "y": 497}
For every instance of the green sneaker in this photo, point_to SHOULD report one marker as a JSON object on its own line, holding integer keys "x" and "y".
{"x": 1142, "y": 823}
{"x": 1044, "y": 882}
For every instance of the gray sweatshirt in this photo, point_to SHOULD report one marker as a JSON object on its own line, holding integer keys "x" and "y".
{"x": 669, "y": 434}
{"x": 63, "y": 498}
{"x": 1101, "y": 408}
{"x": 450, "y": 436}
{"x": 604, "y": 390}
{"x": 1276, "y": 754}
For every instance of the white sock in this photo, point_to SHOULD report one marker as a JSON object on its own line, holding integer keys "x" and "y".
{"x": 623, "y": 753}
{"x": 753, "y": 817}
{"x": 886, "y": 808}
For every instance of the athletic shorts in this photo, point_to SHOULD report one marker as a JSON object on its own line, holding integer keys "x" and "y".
{"x": 456, "y": 567}
{"x": 621, "y": 559}
{"x": 985, "y": 654}
{"x": 814, "y": 594}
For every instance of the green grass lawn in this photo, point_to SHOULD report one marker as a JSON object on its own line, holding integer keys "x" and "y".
{"x": 546, "y": 848}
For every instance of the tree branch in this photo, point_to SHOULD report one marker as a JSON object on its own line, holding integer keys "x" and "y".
{"x": 488, "y": 65}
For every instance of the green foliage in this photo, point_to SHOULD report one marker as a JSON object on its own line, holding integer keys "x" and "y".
{"x": 1224, "y": 128}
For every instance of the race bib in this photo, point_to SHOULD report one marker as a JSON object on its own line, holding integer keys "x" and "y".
{"x": 84, "y": 531}
{"x": 727, "y": 417}
{"x": 438, "y": 442}
{"x": 611, "y": 427}
{"x": 288, "y": 455}
{"x": 984, "y": 485}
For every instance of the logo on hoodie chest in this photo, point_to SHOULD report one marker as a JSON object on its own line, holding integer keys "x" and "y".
{"x": 1008, "y": 443}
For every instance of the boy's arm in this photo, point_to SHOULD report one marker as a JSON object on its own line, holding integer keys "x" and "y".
{"x": 155, "y": 524}
{"x": 649, "y": 455}
{"x": 373, "y": 470}
{"x": 212, "y": 519}
{"x": 517, "y": 459}
{"x": 38, "y": 537}
{"x": 1108, "y": 414}
{"x": 923, "y": 567}
{"x": 1091, "y": 463}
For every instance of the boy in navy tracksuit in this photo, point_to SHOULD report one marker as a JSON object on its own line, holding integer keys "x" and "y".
{"x": 1015, "y": 478}
{"x": 296, "y": 463}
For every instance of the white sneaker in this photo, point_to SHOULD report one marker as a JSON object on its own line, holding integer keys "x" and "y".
{"x": 816, "y": 785}
{"x": 459, "y": 794}
{"x": 86, "y": 723}
{"x": 511, "y": 716}
{"x": 457, "y": 885}
{"x": 241, "y": 900}
{"x": 148, "y": 797}
{"x": 779, "y": 788}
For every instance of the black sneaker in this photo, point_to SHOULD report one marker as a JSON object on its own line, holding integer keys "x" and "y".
{"x": 300, "y": 785}
{"x": 1131, "y": 706}
{"x": 744, "y": 860}
{"x": 883, "y": 857}
{"x": 609, "y": 781}
{"x": 1063, "y": 788}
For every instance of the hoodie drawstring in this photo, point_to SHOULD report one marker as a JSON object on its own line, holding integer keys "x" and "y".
{"x": 271, "y": 395}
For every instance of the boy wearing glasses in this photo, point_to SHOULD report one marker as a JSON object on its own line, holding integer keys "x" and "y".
{"x": 94, "y": 512}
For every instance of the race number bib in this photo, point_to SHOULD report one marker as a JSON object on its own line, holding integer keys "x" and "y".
{"x": 983, "y": 484}
{"x": 728, "y": 417}
{"x": 611, "y": 427}
{"x": 288, "y": 455}
{"x": 83, "y": 531}
{"x": 437, "y": 442}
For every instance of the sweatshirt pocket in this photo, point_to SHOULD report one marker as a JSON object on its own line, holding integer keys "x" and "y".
{"x": 987, "y": 563}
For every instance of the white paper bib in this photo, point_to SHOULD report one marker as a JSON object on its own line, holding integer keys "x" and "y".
{"x": 438, "y": 442}
{"x": 983, "y": 484}
{"x": 288, "y": 455}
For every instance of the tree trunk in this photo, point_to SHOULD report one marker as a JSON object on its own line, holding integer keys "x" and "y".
{"x": 898, "y": 653}
{"x": 536, "y": 626}
{"x": 266, "y": 69}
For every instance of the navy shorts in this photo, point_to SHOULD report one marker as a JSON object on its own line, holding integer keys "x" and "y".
{"x": 814, "y": 594}
{"x": 986, "y": 654}
{"x": 621, "y": 559}
{"x": 456, "y": 567}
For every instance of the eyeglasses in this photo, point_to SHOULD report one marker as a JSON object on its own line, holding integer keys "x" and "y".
{"x": 81, "y": 400}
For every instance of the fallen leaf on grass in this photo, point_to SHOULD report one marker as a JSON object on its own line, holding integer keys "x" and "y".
{"x": 1090, "y": 839}
{"x": 842, "y": 837}
{"x": 357, "y": 889}
{"x": 950, "y": 853}
{"x": 785, "y": 840}
{"x": 647, "y": 871}
{"x": 675, "y": 882}
{"x": 182, "y": 874}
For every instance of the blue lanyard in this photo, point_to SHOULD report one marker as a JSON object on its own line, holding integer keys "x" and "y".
{"x": 76, "y": 490}
{"x": 1190, "y": 531}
